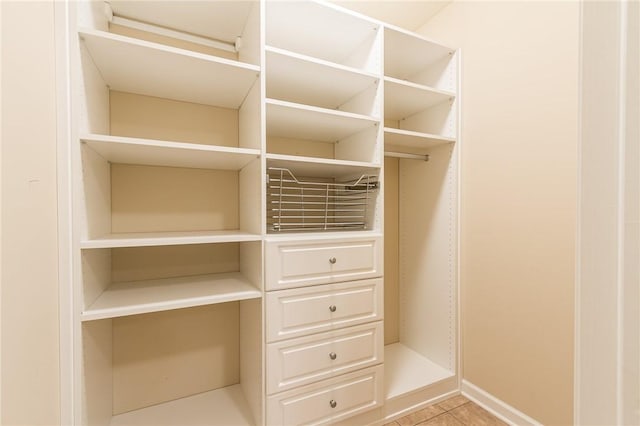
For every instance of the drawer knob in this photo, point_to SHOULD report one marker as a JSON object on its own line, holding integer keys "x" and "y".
{"x": 333, "y": 403}
{"x": 332, "y": 260}
{"x": 332, "y": 308}
{"x": 333, "y": 355}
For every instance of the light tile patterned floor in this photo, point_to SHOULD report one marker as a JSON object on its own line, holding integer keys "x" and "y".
{"x": 455, "y": 411}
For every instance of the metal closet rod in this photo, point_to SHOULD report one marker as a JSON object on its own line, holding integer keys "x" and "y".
{"x": 168, "y": 32}
{"x": 423, "y": 157}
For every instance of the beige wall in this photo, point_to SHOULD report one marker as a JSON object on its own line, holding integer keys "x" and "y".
{"x": 518, "y": 198}
{"x": 29, "y": 314}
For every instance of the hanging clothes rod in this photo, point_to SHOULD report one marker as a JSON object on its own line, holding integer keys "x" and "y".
{"x": 423, "y": 157}
{"x": 168, "y": 32}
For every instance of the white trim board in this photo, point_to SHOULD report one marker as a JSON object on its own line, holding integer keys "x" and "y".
{"x": 495, "y": 406}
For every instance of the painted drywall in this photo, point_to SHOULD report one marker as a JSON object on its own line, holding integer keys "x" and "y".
{"x": 30, "y": 357}
{"x": 518, "y": 198}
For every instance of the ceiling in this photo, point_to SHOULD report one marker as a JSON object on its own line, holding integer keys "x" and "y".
{"x": 407, "y": 14}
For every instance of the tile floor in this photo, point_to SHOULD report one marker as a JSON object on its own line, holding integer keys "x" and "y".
{"x": 455, "y": 411}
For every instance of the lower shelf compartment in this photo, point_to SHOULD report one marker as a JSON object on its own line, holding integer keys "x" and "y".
{"x": 407, "y": 371}
{"x": 225, "y": 407}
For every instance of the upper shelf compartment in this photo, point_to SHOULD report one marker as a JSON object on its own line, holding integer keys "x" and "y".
{"x": 229, "y": 29}
{"x": 136, "y": 66}
{"x": 415, "y": 59}
{"x": 324, "y": 31}
{"x": 306, "y": 80}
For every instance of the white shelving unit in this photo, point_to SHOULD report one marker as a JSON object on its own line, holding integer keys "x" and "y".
{"x": 184, "y": 269}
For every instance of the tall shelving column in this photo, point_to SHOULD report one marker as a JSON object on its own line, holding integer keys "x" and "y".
{"x": 323, "y": 248}
{"x": 167, "y": 193}
{"x": 421, "y": 122}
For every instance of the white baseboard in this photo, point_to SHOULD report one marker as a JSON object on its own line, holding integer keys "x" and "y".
{"x": 497, "y": 407}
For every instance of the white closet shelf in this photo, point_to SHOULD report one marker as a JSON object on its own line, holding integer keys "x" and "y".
{"x": 125, "y": 150}
{"x": 317, "y": 29}
{"x": 216, "y": 20}
{"x": 140, "y": 297}
{"x": 303, "y": 79}
{"x": 297, "y": 121}
{"x": 137, "y": 66}
{"x": 224, "y": 407}
{"x": 321, "y": 167}
{"x": 148, "y": 239}
{"x": 407, "y": 371}
{"x": 403, "y": 99}
{"x": 412, "y": 142}
{"x": 400, "y": 47}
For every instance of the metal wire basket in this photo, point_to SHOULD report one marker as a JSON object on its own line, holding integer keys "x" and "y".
{"x": 295, "y": 205}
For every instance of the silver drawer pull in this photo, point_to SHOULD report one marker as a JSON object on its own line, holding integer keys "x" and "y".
{"x": 332, "y": 308}
{"x": 333, "y": 403}
{"x": 333, "y": 355}
{"x": 332, "y": 260}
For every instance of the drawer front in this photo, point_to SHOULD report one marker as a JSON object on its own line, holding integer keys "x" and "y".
{"x": 295, "y": 264}
{"x": 309, "y": 359}
{"x": 328, "y": 401}
{"x": 298, "y": 312}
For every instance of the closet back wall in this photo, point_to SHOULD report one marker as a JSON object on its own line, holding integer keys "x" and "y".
{"x": 518, "y": 198}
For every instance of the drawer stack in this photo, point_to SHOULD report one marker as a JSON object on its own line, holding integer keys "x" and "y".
{"x": 324, "y": 330}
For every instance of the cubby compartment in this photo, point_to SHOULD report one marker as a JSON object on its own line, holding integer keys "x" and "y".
{"x": 165, "y": 171}
{"x": 305, "y": 80}
{"x": 420, "y": 272}
{"x": 137, "y": 205}
{"x": 412, "y": 58}
{"x": 305, "y": 131}
{"x": 323, "y": 31}
{"x": 191, "y": 366}
{"x": 136, "y": 280}
{"x": 229, "y": 31}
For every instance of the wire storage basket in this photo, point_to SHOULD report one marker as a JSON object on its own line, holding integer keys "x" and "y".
{"x": 295, "y": 205}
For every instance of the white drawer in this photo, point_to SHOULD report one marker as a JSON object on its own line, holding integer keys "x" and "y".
{"x": 302, "y": 311}
{"x": 327, "y": 401}
{"x": 309, "y": 359}
{"x": 294, "y": 263}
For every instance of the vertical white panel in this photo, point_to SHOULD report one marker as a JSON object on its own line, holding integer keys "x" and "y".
{"x": 96, "y": 368}
{"x": 251, "y": 356}
{"x": 428, "y": 218}
{"x": 251, "y": 208}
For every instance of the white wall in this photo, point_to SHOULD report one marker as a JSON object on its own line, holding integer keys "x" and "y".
{"x": 29, "y": 293}
{"x": 518, "y": 198}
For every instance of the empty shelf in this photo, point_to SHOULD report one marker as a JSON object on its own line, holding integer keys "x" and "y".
{"x": 124, "y": 150}
{"x": 410, "y": 141}
{"x": 403, "y": 99}
{"x": 140, "y": 297}
{"x": 136, "y": 66}
{"x": 407, "y": 371}
{"x": 302, "y": 79}
{"x": 296, "y": 121}
{"x": 226, "y": 406}
{"x": 406, "y": 54}
{"x": 147, "y": 239}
